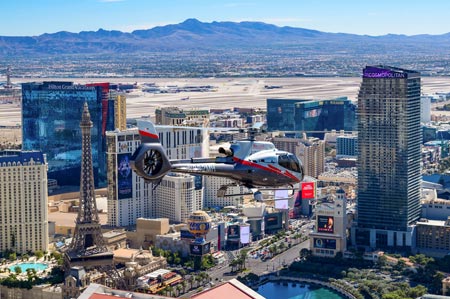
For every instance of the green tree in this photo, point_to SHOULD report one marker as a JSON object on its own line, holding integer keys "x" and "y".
{"x": 179, "y": 288}
{"x": 243, "y": 256}
{"x": 12, "y": 256}
{"x": 305, "y": 253}
{"x": 382, "y": 261}
{"x": 184, "y": 285}
{"x": 39, "y": 254}
{"x": 18, "y": 270}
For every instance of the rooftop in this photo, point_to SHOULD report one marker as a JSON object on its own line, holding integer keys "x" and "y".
{"x": 19, "y": 156}
{"x": 230, "y": 289}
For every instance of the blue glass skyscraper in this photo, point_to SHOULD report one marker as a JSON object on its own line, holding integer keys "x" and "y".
{"x": 389, "y": 139}
{"x": 311, "y": 115}
{"x": 50, "y": 123}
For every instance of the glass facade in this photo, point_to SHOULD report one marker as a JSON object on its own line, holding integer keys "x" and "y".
{"x": 311, "y": 115}
{"x": 389, "y": 139}
{"x": 51, "y": 113}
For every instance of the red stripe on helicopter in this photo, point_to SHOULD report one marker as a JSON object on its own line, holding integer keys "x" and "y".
{"x": 275, "y": 169}
{"x": 287, "y": 173}
{"x": 269, "y": 168}
{"x": 148, "y": 134}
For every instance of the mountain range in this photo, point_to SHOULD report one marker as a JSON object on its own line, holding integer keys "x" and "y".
{"x": 218, "y": 36}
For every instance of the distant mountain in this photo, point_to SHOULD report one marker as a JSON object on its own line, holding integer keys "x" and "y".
{"x": 218, "y": 36}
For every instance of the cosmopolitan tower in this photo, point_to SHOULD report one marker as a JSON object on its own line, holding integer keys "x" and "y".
{"x": 389, "y": 138}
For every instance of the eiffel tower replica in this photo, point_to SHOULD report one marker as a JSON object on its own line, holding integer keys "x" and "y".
{"x": 88, "y": 248}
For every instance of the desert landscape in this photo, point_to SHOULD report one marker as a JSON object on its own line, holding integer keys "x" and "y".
{"x": 228, "y": 93}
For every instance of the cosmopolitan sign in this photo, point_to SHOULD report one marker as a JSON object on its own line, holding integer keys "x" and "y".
{"x": 371, "y": 72}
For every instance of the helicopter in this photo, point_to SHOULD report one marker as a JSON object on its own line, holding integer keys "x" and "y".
{"x": 250, "y": 163}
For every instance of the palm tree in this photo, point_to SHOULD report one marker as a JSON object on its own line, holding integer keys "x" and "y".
{"x": 169, "y": 290}
{"x": 191, "y": 281}
{"x": 194, "y": 281}
{"x": 184, "y": 285}
{"x": 243, "y": 256}
{"x": 179, "y": 288}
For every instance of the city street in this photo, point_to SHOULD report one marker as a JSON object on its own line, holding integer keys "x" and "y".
{"x": 257, "y": 266}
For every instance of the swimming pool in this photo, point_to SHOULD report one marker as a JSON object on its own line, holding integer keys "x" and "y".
{"x": 25, "y": 266}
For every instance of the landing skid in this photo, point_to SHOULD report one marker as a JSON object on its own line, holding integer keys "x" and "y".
{"x": 257, "y": 195}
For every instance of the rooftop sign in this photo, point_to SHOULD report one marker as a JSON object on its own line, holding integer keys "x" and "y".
{"x": 373, "y": 72}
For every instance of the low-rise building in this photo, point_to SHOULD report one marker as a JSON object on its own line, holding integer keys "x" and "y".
{"x": 433, "y": 237}
{"x": 146, "y": 231}
{"x": 330, "y": 233}
{"x": 435, "y": 208}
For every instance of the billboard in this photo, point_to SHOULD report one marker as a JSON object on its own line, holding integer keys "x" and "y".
{"x": 308, "y": 190}
{"x": 200, "y": 249}
{"x": 185, "y": 234}
{"x": 281, "y": 199}
{"x": 297, "y": 199}
{"x": 325, "y": 224}
{"x": 324, "y": 243}
{"x": 124, "y": 177}
{"x": 282, "y": 204}
{"x": 233, "y": 232}
{"x": 281, "y": 194}
{"x": 273, "y": 221}
{"x": 245, "y": 234}
{"x": 199, "y": 227}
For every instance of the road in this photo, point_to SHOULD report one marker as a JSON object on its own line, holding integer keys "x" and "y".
{"x": 259, "y": 267}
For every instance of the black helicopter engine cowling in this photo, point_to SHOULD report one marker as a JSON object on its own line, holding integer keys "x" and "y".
{"x": 150, "y": 161}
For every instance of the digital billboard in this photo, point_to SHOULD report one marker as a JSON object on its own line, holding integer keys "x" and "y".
{"x": 185, "y": 234}
{"x": 282, "y": 204}
{"x": 324, "y": 243}
{"x": 281, "y": 199}
{"x": 273, "y": 221}
{"x": 245, "y": 234}
{"x": 233, "y": 232}
{"x": 124, "y": 177}
{"x": 297, "y": 199}
{"x": 325, "y": 224}
{"x": 200, "y": 249}
{"x": 281, "y": 194}
{"x": 308, "y": 190}
{"x": 199, "y": 226}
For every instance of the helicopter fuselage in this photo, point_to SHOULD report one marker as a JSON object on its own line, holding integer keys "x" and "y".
{"x": 248, "y": 162}
{"x": 258, "y": 170}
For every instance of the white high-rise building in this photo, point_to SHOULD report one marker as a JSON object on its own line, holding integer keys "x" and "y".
{"x": 178, "y": 196}
{"x": 23, "y": 201}
{"x": 129, "y": 197}
{"x": 212, "y": 184}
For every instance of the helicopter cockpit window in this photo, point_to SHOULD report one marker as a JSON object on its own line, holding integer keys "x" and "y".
{"x": 290, "y": 162}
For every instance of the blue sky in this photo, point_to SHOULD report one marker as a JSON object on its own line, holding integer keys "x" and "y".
{"x": 373, "y": 17}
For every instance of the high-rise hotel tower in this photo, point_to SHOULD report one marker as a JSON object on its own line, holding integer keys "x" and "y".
{"x": 389, "y": 139}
